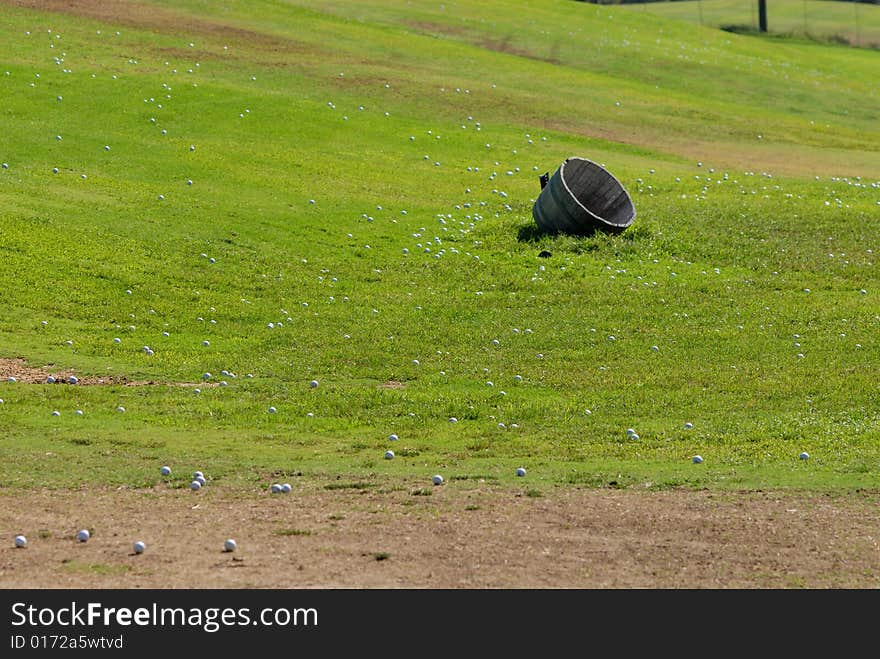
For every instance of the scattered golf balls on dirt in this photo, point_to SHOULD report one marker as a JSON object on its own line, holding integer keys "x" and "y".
{"x": 83, "y": 535}
{"x": 229, "y": 545}
{"x": 20, "y": 541}
{"x": 139, "y": 547}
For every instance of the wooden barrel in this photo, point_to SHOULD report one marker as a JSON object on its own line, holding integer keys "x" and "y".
{"x": 581, "y": 198}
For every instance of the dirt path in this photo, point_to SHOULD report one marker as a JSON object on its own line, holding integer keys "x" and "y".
{"x": 455, "y": 537}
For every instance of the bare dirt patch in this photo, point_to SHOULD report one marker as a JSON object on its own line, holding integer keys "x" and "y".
{"x": 392, "y": 384}
{"x": 21, "y": 371}
{"x": 451, "y": 536}
{"x": 161, "y": 19}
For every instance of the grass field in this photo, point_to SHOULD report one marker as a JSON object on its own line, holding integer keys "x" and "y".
{"x": 850, "y": 22}
{"x": 256, "y": 195}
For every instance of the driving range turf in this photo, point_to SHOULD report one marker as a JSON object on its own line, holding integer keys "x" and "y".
{"x": 308, "y": 224}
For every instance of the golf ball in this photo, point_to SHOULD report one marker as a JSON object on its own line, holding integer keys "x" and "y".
{"x": 20, "y": 541}
{"x": 804, "y": 456}
{"x": 272, "y": 410}
{"x": 73, "y": 379}
{"x": 438, "y": 479}
{"x": 229, "y": 545}
{"x": 389, "y": 455}
{"x": 82, "y": 535}
{"x": 688, "y": 425}
{"x": 393, "y": 437}
{"x": 195, "y": 485}
{"x": 200, "y": 480}
{"x": 139, "y": 547}
{"x": 276, "y": 488}
{"x": 697, "y": 459}
{"x": 520, "y": 471}
{"x": 285, "y": 488}
{"x": 165, "y": 471}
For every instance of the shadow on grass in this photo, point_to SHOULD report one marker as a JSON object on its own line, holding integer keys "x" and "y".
{"x": 532, "y": 233}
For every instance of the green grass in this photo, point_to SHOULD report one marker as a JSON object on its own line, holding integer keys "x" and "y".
{"x": 853, "y": 23}
{"x": 753, "y": 165}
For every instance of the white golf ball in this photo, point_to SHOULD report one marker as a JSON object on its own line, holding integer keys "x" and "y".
{"x": 20, "y": 541}
{"x": 79, "y": 412}
{"x": 517, "y": 378}
{"x": 198, "y": 474}
{"x": 697, "y": 459}
{"x": 438, "y": 479}
{"x": 50, "y": 380}
{"x": 389, "y": 455}
{"x": 804, "y": 456}
{"x": 688, "y": 425}
{"x": 630, "y": 432}
{"x": 272, "y": 410}
{"x": 83, "y": 535}
{"x": 452, "y": 419}
{"x": 276, "y": 488}
{"x": 120, "y": 409}
{"x": 200, "y": 480}
{"x": 73, "y": 379}
{"x": 393, "y": 437}
{"x": 229, "y": 545}
{"x": 313, "y": 384}
{"x": 56, "y": 413}
{"x": 165, "y": 471}
{"x": 139, "y": 547}
{"x": 286, "y": 488}
{"x": 195, "y": 485}
{"x": 520, "y": 471}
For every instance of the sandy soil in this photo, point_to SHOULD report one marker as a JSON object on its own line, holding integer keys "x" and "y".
{"x": 459, "y": 536}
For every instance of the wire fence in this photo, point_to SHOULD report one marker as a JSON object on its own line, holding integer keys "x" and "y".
{"x": 844, "y": 22}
